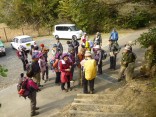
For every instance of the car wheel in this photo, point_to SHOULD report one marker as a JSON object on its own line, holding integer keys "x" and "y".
{"x": 74, "y": 37}
{"x": 4, "y": 54}
{"x": 12, "y": 47}
{"x": 56, "y": 37}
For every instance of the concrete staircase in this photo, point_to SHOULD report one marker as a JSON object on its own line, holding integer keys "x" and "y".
{"x": 96, "y": 105}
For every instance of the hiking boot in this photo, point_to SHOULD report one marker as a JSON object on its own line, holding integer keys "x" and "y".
{"x": 37, "y": 108}
{"x": 35, "y": 113}
{"x": 91, "y": 92}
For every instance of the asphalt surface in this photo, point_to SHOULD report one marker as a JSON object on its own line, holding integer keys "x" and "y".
{"x": 51, "y": 99}
{"x": 14, "y": 65}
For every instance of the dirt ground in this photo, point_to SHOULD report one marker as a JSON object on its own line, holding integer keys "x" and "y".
{"x": 137, "y": 97}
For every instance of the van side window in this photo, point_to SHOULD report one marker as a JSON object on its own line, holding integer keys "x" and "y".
{"x": 59, "y": 28}
{"x": 66, "y": 28}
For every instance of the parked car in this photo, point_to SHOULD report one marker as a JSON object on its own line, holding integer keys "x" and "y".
{"x": 23, "y": 40}
{"x": 2, "y": 48}
{"x": 67, "y": 31}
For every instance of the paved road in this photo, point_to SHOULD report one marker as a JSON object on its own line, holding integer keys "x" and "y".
{"x": 51, "y": 99}
{"x": 14, "y": 65}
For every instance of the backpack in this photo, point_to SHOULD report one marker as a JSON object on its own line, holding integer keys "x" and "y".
{"x": 91, "y": 44}
{"x": 90, "y": 69}
{"x": 52, "y": 61}
{"x": 22, "y": 89}
{"x": 104, "y": 54}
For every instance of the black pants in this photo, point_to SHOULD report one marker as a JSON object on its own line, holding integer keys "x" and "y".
{"x": 24, "y": 64}
{"x": 68, "y": 84}
{"x": 100, "y": 68}
{"x": 85, "y": 85}
{"x": 58, "y": 75}
{"x": 112, "y": 62}
{"x": 32, "y": 98}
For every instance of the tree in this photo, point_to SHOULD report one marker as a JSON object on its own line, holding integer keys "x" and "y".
{"x": 87, "y": 14}
{"x": 148, "y": 40}
{"x": 17, "y": 13}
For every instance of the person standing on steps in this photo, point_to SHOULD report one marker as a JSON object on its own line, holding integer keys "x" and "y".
{"x": 90, "y": 70}
{"x": 128, "y": 58}
{"x": 66, "y": 75}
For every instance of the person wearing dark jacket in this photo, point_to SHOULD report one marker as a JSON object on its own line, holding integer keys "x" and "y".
{"x": 33, "y": 88}
{"x": 98, "y": 58}
{"x": 75, "y": 44}
{"x": 59, "y": 45}
{"x": 22, "y": 55}
{"x": 35, "y": 70}
{"x": 113, "y": 54}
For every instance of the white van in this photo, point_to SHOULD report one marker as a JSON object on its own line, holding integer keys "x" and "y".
{"x": 67, "y": 31}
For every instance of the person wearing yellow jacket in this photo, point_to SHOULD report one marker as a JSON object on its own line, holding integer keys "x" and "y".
{"x": 90, "y": 71}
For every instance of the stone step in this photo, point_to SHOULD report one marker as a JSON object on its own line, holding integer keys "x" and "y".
{"x": 93, "y": 101}
{"x": 74, "y": 113}
{"x": 97, "y": 107}
{"x": 95, "y": 96}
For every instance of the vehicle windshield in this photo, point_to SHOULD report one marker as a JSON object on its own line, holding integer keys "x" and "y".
{"x": 25, "y": 40}
{"x": 74, "y": 28}
{"x": 1, "y": 46}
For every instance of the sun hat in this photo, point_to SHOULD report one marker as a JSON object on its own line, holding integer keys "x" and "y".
{"x": 97, "y": 47}
{"x": 88, "y": 53}
{"x": 127, "y": 48}
{"x": 54, "y": 45}
{"x": 64, "y": 55}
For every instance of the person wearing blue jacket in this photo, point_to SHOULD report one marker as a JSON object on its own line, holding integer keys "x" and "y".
{"x": 114, "y": 35}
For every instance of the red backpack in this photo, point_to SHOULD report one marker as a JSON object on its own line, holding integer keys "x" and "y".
{"x": 22, "y": 89}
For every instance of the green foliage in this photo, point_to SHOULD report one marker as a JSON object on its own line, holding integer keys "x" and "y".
{"x": 89, "y": 15}
{"x": 134, "y": 20}
{"x": 148, "y": 39}
{"x": 3, "y": 71}
{"x": 33, "y": 12}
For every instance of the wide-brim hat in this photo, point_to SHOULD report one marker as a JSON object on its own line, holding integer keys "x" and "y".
{"x": 97, "y": 47}
{"x": 127, "y": 48}
{"x": 88, "y": 53}
{"x": 64, "y": 55}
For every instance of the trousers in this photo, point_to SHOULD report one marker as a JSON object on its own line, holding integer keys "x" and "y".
{"x": 85, "y": 85}
{"x": 32, "y": 98}
{"x": 68, "y": 84}
{"x": 112, "y": 62}
{"x": 58, "y": 75}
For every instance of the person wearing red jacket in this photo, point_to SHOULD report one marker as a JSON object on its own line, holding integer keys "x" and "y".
{"x": 33, "y": 88}
{"x": 66, "y": 74}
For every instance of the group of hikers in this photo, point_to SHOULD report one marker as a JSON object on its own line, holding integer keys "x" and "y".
{"x": 87, "y": 56}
